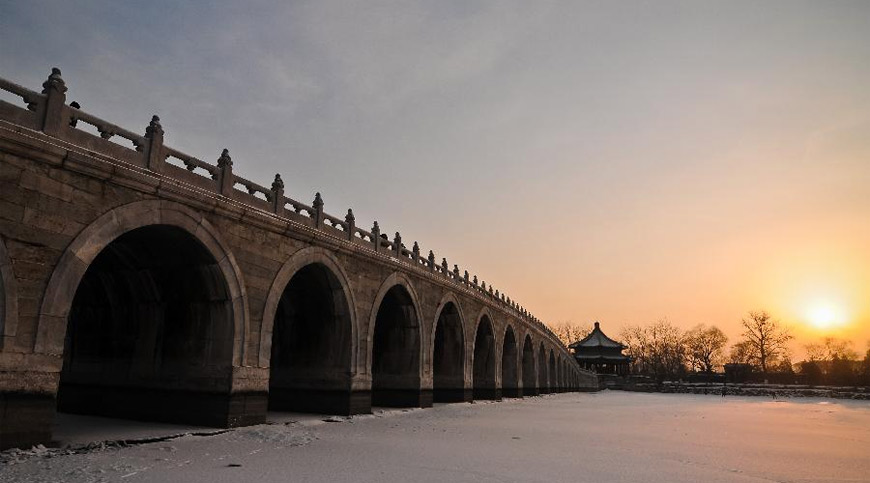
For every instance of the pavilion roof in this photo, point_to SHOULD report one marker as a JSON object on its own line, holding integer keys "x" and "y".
{"x": 596, "y": 338}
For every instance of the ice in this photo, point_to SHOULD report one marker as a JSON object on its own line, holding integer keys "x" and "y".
{"x": 609, "y": 436}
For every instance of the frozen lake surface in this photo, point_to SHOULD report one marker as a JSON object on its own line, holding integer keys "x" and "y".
{"x": 605, "y": 437}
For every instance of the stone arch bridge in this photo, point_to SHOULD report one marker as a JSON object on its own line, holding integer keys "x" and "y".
{"x": 137, "y": 281}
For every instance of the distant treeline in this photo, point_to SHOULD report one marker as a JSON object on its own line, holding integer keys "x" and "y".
{"x": 663, "y": 351}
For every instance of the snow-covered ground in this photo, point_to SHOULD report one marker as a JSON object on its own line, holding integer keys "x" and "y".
{"x": 603, "y": 437}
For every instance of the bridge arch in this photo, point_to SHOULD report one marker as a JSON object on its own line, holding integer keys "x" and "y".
{"x": 510, "y": 365}
{"x": 59, "y": 293}
{"x": 395, "y": 356}
{"x": 484, "y": 359}
{"x": 448, "y": 352}
{"x": 149, "y": 312}
{"x": 8, "y": 298}
{"x": 308, "y": 336}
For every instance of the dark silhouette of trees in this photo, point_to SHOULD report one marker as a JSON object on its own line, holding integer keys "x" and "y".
{"x": 833, "y": 361}
{"x": 656, "y": 349}
{"x": 766, "y": 339}
{"x": 704, "y": 347}
{"x": 568, "y": 332}
{"x": 741, "y": 353}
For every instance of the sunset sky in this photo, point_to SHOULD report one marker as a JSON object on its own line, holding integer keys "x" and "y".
{"x": 610, "y": 161}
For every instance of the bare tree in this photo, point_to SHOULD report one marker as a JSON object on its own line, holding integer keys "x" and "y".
{"x": 766, "y": 338}
{"x": 568, "y": 332}
{"x": 839, "y": 349}
{"x": 704, "y": 347}
{"x": 815, "y": 352}
{"x": 656, "y": 349}
{"x": 740, "y": 353}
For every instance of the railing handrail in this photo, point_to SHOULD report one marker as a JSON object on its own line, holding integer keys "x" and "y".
{"x": 106, "y": 128}
{"x": 29, "y": 96}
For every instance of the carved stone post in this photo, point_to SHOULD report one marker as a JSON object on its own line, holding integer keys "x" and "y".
{"x": 376, "y": 236}
{"x": 154, "y": 158}
{"x": 226, "y": 180}
{"x": 397, "y": 244}
{"x": 444, "y": 269}
{"x": 350, "y": 224}
{"x": 278, "y": 195}
{"x": 318, "y": 210}
{"x": 456, "y": 273}
{"x": 415, "y": 253}
{"x": 54, "y": 89}
{"x": 431, "y": 261}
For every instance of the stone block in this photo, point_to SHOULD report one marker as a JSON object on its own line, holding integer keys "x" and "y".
{"x": 45, "y": 185}
{"x": 55, "y": 223}
{"x": 8, "y": 173}
{"x": 11, "y": 211}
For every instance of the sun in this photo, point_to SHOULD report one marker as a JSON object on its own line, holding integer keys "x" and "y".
{"x": 825, "y": 315}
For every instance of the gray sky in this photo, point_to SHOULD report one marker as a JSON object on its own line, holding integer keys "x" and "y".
{"x": 621, "y": 161}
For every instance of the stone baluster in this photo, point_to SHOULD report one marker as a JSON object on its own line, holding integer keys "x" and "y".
{"x": 154, "y": 158}
{"x": 456, "y": 273}
{"x": 444, "y": 268}
{"x": 376, "y": 236}
{"x": 474, "y": 281}
{"x": 415, "y": 253}
{"x": 225, "y": 178}
{"x": 277, "y": 195}
{"x": 350, "y": 224}
{"x": 431, "y": 261}
{"x": 54, "y": 107}
{"x": 466, "y": 277}
{"x": 397, "y": 244}
{"x": 318, "y": 210}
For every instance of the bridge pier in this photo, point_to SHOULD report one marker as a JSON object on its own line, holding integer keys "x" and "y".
{"x": 446, "y": 395}
{"x": 202, "y": 408}
{"x": 26, "y": 419}
{"x": 324, "y": 401}
{"x": 487, "y": 394}
{"x": 402, "y": 398}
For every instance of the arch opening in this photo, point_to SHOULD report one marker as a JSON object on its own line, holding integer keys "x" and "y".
{"x": 509, "y": 363}
{"x": 448, "y": 357}
{"x": 311, "y": 345}
{"x": 150, "y": 332}
{"x": 396, "y": 352}
{"x": 483, "y": 383}
{"x": 530, "y": 386}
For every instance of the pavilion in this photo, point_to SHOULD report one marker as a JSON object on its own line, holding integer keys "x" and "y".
{"x": 601, "y": 354}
